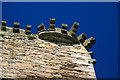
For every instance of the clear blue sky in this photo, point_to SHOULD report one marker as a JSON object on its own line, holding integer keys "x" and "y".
{"x": 99, "y": 20}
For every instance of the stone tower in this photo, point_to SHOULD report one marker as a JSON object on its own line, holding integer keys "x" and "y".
{"x": 53, "y": 54}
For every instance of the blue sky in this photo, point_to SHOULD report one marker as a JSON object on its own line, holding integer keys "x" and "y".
{"x": 96, "y": 19}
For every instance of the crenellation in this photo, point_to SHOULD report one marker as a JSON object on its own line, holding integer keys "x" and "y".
{"x": 73, "y": 29}
{"x": 92, "y": 40}
{"x": 52, "y": 20}
{"x": 41, "y": 28}
{"x": 89, "y": 42}
{"x": 87, "y": 45}
{"x": 52, "y": 24}
{"x": 16, "y": 27}
{"x": 64, "y": 28}
{"x": 28, "y": 29}
{"x": 82, "y": 37}
{"x": 76, "y": 25}
{"x": 51, "y": 54}
{"x": 52, "y": 33}
{"x": 3, "y": 25}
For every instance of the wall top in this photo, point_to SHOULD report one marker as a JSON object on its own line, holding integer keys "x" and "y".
{"x": 55, "y": 34}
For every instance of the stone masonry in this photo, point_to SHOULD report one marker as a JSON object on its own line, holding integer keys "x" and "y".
{"x": 42, "y": 59}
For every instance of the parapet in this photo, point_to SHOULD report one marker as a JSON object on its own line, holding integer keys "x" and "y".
{"x": 3, "y": 25}
{"x": 56, "y": 53}
{"x": 55, "y": 34}
{"x": 28, "y": 29}
{"x": 16, "y": 27}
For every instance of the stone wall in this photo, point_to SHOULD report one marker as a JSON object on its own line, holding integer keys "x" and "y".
{"x": 35, "y": 58}
{"x": 23, "y": 58}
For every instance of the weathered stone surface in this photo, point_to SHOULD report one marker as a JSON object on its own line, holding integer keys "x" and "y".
{"x": 28, "y": 29}
{"x": 64, "y": 31}
{"x": 73, "y": 29}
{"x": 1, "y": 40}
{"x": 41, "y": 28}
{"x": 54, "y": 36}
{"x": 91, "y": 53}
{"x": 3, "y": 28}
{"x": 39, "y": 59}
{"x": 52, "y": 20}
{"x": 3, "y": 25}
{"x": 92, "y": 40}
{"x": 16, "y": 30}
{"x": 82, "y": 37}
{"x": 73, "y": 34}
{"x": 89, "y": 42}
{"x": 93, "y": 61}
{"x": 27, "y": 32}
{"x": 64, "y": 28}
{"x": 52, "y": 24}
{"x": 51, "y": 27}
{"x": 16, "y": 25}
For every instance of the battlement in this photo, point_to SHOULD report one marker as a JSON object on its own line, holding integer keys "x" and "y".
{"x": 53, "y": 33}
{"x": 56, "y": 53}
